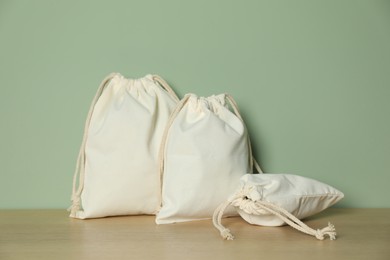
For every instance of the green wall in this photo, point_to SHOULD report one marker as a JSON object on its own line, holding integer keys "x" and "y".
{"x": 312, "y": 79}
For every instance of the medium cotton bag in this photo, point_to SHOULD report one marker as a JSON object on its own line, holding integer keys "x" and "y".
{"x": 117, "y": 169}
{"x": 279, "y": 199}
{"x": 204, "y": 152}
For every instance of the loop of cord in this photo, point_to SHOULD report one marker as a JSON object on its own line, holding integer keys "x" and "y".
{"x": 241, "y": 201}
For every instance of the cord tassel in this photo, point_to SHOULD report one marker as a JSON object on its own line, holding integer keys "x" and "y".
{"x": 329, "y": 231}
{"x": 217, "y": 221}
{"x": 226, "y": 234}
{"x": 294, "y": 222}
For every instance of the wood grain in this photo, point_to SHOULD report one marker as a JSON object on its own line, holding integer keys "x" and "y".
{"x": 50, "y": 234}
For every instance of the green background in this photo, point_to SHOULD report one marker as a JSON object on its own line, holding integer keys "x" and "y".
{"x": 312, "y": 80}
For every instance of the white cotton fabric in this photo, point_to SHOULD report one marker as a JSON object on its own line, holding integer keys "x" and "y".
{"x": 300, "y": 196}
{"x": 121, "y": 175}
{"x": 206, "y": 152}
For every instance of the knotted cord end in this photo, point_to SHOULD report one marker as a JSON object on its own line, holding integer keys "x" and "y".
{"x": 225, "y": 233}
{"x": 76, "y": 205}
{"x": 329, "y": 230}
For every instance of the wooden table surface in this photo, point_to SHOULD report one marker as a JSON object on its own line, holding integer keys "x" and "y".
{"x": 50, "y": 234}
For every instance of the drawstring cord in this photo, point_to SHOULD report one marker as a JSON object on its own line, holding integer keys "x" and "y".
{"x": 164, "y": 138}
{"x": 80, "y": 169}
{"x": 241, "y": 201}
{"x": 252, "y": 160}
{"x": 165, "y": 85}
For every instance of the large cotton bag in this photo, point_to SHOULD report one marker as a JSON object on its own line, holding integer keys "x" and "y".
{"x": 204, "y": 152}
{"x": 117, "y": 169}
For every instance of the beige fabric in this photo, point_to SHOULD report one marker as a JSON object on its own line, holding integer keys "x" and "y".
{"x": 205, "y": 151}
{"x": 117, "y": 166}
{"x": 277, "y": 199}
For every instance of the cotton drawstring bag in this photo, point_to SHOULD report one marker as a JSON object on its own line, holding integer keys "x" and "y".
{"x": 279, "y": 199}
{"x": 117, "y": 169}
{"x": 204, "y": 152}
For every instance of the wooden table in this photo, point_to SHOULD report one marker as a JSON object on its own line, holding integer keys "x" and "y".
{"x": 50, "y": 234}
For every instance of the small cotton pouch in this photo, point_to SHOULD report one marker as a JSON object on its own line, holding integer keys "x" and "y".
{"x": 279, "y": 199}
